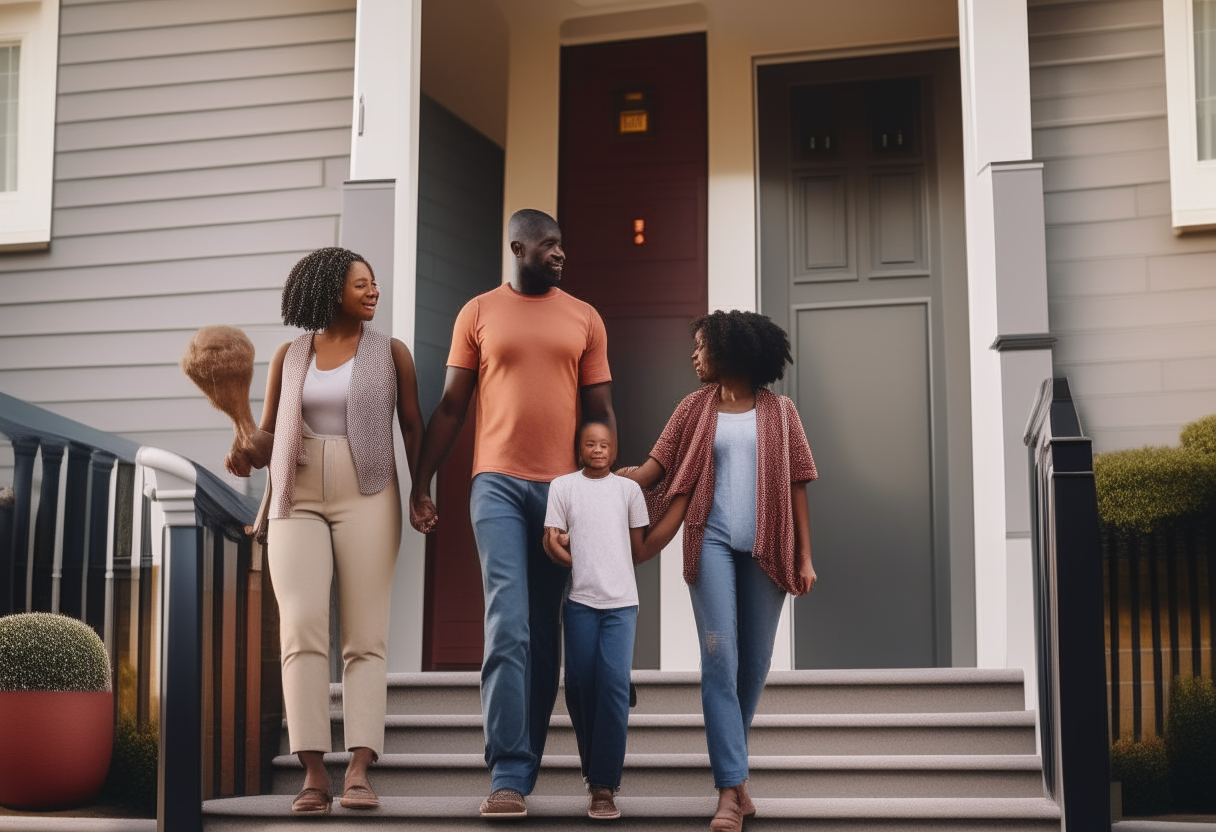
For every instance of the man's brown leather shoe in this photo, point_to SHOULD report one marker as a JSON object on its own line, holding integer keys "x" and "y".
{"x": 504, "y": 803}
{"x": 602, "y": 807}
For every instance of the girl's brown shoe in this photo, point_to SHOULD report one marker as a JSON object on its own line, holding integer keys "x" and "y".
{"x": 729, "y": 817}
{"x": 745, "y": 801}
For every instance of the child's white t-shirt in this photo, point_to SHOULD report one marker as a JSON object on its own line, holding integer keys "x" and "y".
{"x": 598, "y": 514}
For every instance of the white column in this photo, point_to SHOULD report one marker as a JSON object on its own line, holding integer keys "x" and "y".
{"x": 1007, "y": 295}
{"x": 384, "y": 146}
{"x": 384, "y": 130}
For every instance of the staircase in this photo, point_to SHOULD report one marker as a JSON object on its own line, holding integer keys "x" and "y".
{"x": 831, "y": 750}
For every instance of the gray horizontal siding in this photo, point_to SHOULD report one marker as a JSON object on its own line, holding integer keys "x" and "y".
{"x": 460, "y": 180}
{"x": 200, "y": 150}
{"x": 1133, "y": 305}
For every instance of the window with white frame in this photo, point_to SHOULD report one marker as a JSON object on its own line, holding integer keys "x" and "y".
{"x": 10, "y": 69}
{"x": 1205, "y": 77}
{"x": 29, "y": 54}
{"x": 1190, "y": 74}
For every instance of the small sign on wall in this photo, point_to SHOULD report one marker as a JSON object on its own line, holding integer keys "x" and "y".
{"x": 633, "y": 111}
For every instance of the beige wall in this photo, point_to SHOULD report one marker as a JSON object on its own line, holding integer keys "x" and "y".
{"x": 737, "y": 33}
{"x": 464, "y": 62}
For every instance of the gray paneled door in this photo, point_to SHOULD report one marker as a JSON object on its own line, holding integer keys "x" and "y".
{"x": 850, "y": 247}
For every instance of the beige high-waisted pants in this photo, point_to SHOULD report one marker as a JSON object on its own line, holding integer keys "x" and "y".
{"x": 333, "y": 526}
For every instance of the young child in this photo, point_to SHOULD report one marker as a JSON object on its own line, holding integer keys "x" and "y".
{"x": 595, "y": 524}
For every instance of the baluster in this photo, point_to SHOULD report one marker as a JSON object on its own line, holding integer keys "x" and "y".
{"x": 1154, "y": 574}
{"x": 24, "y": 451}
{"x": 74, "y": 522}
{"x": 46, "y": 523}
{"x": 7, "y": 498}
{"x": 99, "y": 544}
{"x": 1133, "y": 578}
{"x": 1193, "y": 594}
{"x": 1171, "y": 588}
{"x": 1111, "y": 546}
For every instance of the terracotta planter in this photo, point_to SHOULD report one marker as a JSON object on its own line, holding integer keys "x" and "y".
{"x": 54, "y": 747}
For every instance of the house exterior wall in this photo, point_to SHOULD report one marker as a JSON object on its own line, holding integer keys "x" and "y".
{"x": 200, "y": 148}
{"x": 1133, "y": 305}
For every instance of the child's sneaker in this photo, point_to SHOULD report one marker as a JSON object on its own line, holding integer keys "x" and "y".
{"x": 602, "y": 807}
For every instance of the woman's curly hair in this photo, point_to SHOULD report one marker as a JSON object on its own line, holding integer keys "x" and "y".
{"x": 745, "y": 343}
{"x": 314, "y": 287}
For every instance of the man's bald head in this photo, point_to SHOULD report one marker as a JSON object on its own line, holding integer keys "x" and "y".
{"x": 529, "y": 225}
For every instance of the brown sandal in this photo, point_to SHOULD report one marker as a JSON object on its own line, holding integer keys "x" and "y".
{"x": 359, "y": 797}
{"x": 312, "y": 802}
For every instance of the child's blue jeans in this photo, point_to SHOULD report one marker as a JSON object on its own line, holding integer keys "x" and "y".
{"x": 599, "y": 655}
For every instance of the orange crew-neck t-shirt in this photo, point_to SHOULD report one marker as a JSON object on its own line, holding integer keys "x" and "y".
{"x": 532, "y": 353}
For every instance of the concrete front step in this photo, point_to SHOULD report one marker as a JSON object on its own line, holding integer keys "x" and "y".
{"x": 930, "y": 690}
{"x": 771, "y": 734}
{"x": 641, "y": 814}
{"x": 689, "y": 775}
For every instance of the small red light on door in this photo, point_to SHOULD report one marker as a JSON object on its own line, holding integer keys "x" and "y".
{"x": 639, "y": 239}
{"x": 639, "y": 226}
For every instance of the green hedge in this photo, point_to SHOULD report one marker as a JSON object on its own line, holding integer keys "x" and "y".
{"x": 1140, "y": 490}
{"x": 131, "y": 781}
{"x": 1144, "y": 770}
{"x": 42, "y": 651}
{"x": 1191, "y": 741}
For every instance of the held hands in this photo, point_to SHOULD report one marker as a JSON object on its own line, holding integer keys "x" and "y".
{"x": 557, "y": 546}
{"x": 423, "y": 515}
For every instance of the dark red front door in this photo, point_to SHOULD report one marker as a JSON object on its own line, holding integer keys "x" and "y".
{"x": 632, "y": 205}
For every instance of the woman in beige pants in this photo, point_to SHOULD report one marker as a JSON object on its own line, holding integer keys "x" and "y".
{"x": 334, "y": 506}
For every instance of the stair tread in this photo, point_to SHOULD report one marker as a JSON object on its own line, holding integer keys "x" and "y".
{"x": 876, "y": 762}
{"x": 948, "y": 719}
{"x": 908, "y": 808}
{"x": 809, "y": 678}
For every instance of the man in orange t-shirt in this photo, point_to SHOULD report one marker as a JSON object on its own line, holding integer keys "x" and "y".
{"x": 535, "y": 356}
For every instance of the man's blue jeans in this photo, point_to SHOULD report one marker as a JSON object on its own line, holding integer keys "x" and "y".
{"x": 599, "y": 655}
{"x": 523, "y": 598}
{"x": 737, "y": 607}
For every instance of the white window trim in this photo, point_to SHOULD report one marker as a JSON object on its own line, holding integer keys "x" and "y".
{"x": 25, "y": 214}
{"x": 1192, "y": 182}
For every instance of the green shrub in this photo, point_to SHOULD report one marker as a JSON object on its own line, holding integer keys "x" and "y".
{"x": 131, "y": 781}
{"x": 1191, "y": 740}
{"x": 1140, "y": 489}
{"x": 1200, "y": 435}
{"x": 41, "y": 651}
{"x": 1143, "y": 769}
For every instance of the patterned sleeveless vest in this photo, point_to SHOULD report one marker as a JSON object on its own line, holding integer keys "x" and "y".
{"x": 370, "y": 405}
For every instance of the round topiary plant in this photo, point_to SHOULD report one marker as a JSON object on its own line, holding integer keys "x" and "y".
{"x": 42, "y": 651}
{"x": 56, "y": 711}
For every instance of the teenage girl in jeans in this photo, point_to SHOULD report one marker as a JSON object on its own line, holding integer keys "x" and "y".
{"x": 737, "y": 452}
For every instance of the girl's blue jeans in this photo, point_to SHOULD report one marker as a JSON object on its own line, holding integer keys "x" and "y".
{"x": 599, "y": 655}
{"x": 737, "y": 608}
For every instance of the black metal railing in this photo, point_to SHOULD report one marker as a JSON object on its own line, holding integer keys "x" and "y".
{"x": 1160, "y": 586}
{"x": 99, "y": 529}
{"x": 1068, "y": 610}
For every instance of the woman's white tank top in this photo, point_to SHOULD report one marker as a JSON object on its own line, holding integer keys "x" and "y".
{"x": 323, "y": 405}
